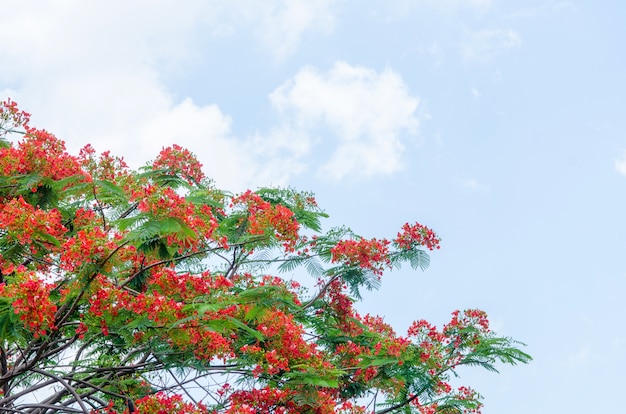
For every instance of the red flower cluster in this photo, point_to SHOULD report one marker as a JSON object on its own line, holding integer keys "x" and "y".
{"x": 11, "y": 117}
{"x": 450, "y": 345}
{"x": 279, "y": 401}
{"x": 163, "y": 303}
{"x": 266, "y": 400}
{"x": 416, "y": 235}
{"x": 162, "y": 403}
{"x": 470, "y": 317}
{"x": 284, "y": 343}
{"x": 102, "y": 167}
{"x": 25, "y": 223}
{"x": 31, "y": 301}
{"x": 187, "y": 286}
{"x": 341, "y": 305}
{"x": 265, "y": 217}
{"x": 165, "y": 203}
{"x": 177, "y": 160}
{"x": 368, "y": 254}
{"x": 39, "y": 152}
{"x": 462, "y": 393}
{"x": 90, "y": 245}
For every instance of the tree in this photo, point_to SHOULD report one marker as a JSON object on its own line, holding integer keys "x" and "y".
{"x": 153, "y": 291}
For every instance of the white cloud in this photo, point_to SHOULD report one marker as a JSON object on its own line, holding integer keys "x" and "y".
{"x": 472, "y": 184}
{"x": 579, "y": 358}
{"x": 233, "y": 162}
{"x": 454, "y": 5}
{"x": 404, "y": 7}
{"x": 369, "y": 113}
{"x": 485, "y": 44}
{"x": 620, "y": 163}
{"x": 284, "y": 151}
{"x": 543, "y": 10}
{"x": 282, "y": 26}
{"x": 77, "y": 33}
{"x": 91, "y": 72}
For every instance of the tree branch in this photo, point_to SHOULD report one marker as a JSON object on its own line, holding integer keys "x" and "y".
{"x": 320, "y": 293}
{"x": 66, "y": 385}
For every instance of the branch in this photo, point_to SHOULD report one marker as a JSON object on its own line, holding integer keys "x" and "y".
{"x": 128, "y": 210}
{"x": 320, "y": 293}
{"x": 417, "y": 394}
{"x": 56, "y": 408}
{"x": 233, "y": 266}
{"x": 178, "y": 382}
{"x": 399, "y": 405}
{"x": 60, "y": 320}
{"x": 3, "y": 370}
{"x": 67, "y": 387}
{"x": 100, "y": 208}
{"x": 174, "y": 259}
{"x": 13, "y": 397}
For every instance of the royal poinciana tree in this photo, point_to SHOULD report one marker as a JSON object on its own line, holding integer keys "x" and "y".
{"x": 152, "y": 291}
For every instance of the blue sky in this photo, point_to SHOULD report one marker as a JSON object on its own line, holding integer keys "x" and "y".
{"x": 501, "y": 124}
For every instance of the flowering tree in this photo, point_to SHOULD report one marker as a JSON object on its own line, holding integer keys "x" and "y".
{"x": 152, "y": 291}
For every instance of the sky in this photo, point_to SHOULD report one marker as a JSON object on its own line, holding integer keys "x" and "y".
{"x": 500, "y": 124}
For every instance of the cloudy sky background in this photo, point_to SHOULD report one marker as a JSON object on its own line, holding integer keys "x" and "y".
{"x": 501, "y": 124}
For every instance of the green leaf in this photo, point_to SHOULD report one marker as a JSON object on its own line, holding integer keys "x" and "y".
{"x": 168, "y": 225}
{"x": 27, "y": 182}
{"x": 110, "y": 192}
{"x": 254, "y": 333}
{"x": 320, "y": 381}
{"x": 202, "y": 308}
{"x": 376, "y": 362}
{"x": 139, "y": 323}
{"x": 255, "y": 313}
{"x": 8, "y": 329}
{"x": 110, "y": 187}
{"x": 420, "y": 259}
{"x": 48, "y": 238}
{"x": 314, "y": 378}
{"x": 130, "y": 222}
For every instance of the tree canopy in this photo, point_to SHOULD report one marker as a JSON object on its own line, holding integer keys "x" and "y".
{"x": 153, "y": 291}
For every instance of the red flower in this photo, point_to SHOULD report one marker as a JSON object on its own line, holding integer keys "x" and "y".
{"x": 368, "y": 254}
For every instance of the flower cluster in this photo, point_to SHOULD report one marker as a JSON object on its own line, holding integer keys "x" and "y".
{"x": 283, "y": 345}
{"x": 463, "y": 393}
{"x": 164, "y": 306}
{"x": 165, "y": 203}
{"x": 31, "y": 301}
{"x": 266, "y": 218}
{"x": 25, "y": 223}
{"x": 39, "y": 152}
{"x": 341, "y": 306}
{"x": 370, "y": 254}
{"x": 417, "y": 235}
{"x": 282, "y": 401}
{"x": 187, "y": 286}
{"x": 11, "y": 117}
{"x": 162, "y": 403}
{"x": 267, "y": 400}
{"x": 176, "y": 160}
{"x": 103, "y": 166}
{"x": 471, "y": 317}
{"x": 90, "y": 245}
{"x": 451, "y": 344}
